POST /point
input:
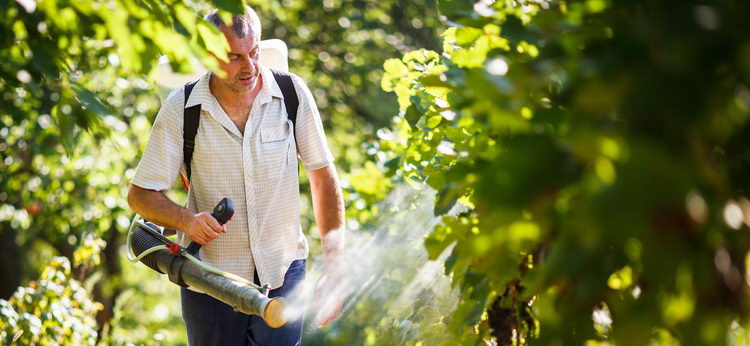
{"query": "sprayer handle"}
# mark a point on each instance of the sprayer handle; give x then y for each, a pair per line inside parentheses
(223, 212)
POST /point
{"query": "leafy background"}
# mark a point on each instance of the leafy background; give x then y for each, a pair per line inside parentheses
(585, 160)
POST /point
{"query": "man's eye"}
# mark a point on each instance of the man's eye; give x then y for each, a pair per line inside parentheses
(233, 57)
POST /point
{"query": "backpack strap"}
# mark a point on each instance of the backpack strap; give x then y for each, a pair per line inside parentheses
(191, 117)
(291, 102)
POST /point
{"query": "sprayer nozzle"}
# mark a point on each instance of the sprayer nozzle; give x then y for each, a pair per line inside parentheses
(274, 314)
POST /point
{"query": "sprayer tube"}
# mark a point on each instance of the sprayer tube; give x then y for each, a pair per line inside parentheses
(239, 296)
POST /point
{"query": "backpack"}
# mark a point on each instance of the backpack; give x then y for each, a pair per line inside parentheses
(192, 117)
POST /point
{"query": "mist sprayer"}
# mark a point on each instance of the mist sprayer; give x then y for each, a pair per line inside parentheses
(184, 267)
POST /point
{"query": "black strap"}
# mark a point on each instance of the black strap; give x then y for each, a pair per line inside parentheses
(284, 80)
(192, 117)
(291, 102)
(192, 114)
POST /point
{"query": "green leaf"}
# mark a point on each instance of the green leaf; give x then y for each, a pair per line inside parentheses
(436, 180)
(456, 134)
(213, 39)
(395, 71)
(90, 101)
(446, 199)
(450, 262)
(66, 126)
(433, 80)
(433, 121)
(455, 9)
(412, 116)
(466, 36)
(395, 67)
(186, 20)
(475, 314)
(437, 241)
(234, 6)
(393, 164)
(434, 246)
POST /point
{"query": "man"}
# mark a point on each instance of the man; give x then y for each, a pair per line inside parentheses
(245, 149)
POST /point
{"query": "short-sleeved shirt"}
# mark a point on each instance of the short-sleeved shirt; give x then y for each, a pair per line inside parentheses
(257, 170)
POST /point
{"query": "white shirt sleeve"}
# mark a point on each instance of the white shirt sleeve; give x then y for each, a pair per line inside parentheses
(312, 146)
(162, 160)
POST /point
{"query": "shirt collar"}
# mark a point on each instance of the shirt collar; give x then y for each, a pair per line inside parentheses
(270, 87)
(201, 95)
(200, 91)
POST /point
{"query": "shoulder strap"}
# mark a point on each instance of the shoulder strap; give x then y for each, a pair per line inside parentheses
(190, 128)
(284, 80)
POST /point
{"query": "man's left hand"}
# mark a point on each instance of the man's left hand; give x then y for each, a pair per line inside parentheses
(330, 291)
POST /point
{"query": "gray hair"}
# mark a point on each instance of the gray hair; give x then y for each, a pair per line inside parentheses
(241, 23)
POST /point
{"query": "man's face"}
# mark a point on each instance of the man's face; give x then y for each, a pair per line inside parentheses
(242, 69)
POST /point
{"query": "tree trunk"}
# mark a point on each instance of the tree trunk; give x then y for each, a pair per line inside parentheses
(10, 263)
(112, 268)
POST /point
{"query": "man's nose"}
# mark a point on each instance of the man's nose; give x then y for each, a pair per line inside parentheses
(247, 62)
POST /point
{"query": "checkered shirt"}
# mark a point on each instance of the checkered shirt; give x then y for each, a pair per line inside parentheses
(257, 170)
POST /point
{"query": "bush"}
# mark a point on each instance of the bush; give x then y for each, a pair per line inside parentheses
(54, 310)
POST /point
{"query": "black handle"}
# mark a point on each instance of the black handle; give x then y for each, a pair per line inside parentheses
(223, 213)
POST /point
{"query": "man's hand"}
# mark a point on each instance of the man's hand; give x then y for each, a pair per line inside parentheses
(202, 228)
(330, 291)
(154, 206)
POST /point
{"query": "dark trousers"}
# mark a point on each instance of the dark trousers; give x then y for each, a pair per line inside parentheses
(212, 322)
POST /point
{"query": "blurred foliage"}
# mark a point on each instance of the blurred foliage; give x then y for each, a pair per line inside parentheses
(53, 51)
(338, 46)
(147, 312)
(600, 146)
(55, 305)
(603, 147)
(73, 205)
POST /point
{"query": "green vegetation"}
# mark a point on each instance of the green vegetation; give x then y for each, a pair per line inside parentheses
(602, 145)
(598, 150)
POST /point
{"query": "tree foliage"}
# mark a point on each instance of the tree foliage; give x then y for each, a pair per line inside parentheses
(56, 51)
(603, 147)
(337, 46)
(600, 146)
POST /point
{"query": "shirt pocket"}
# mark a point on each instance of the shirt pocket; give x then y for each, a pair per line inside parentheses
(275, 133)
(277, 143)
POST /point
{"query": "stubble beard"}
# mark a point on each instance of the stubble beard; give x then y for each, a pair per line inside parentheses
(236, 86)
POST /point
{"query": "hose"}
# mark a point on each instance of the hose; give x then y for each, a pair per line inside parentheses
(153, 245)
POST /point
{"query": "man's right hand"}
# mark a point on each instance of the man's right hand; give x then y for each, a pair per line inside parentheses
(203, 228)
(154, 206)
